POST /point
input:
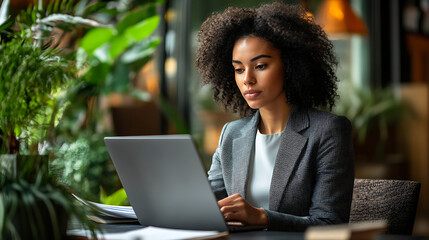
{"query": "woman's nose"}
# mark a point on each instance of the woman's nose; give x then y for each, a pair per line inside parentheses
(249, 78)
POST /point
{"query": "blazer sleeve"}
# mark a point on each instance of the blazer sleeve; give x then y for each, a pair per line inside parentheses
(215, 174)
(334, 178)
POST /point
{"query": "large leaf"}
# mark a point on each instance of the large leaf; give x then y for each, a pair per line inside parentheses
(97, 73)
(136, 16)
(96, 38)
(132, 35)
(119, 44)
(7, 24)
(102, 53)
(4, 11)
(119, 81)
(142, 29)
(140, 50)
(117, 198)
(57, 19)
(94, 8)
(80, 7)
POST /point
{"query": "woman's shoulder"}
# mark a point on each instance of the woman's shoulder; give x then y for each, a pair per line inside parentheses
(322, 114)
(236, 129)
(317, 117)
(240, 125)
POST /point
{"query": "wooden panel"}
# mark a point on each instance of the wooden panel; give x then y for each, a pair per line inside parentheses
(414, 137)
(418, 47)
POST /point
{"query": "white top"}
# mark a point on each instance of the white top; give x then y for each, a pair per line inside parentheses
(261, 169)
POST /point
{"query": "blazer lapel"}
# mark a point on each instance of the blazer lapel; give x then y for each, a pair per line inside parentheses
(243, 148)
(291, 146)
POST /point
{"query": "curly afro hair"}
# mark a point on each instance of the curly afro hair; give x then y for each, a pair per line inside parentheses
(308, 59)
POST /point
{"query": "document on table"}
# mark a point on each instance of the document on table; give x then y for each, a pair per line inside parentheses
(149, 233)
(120, 212)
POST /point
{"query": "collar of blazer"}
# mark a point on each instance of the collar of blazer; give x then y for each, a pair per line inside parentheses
(292, 143)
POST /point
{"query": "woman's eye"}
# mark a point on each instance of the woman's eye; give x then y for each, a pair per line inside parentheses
(239, 70)
(261, 66)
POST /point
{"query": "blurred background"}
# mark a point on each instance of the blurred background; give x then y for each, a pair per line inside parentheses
(383, 52)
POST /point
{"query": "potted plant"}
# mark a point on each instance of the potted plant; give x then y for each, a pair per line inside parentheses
(36, 207)
(36, 78)
(374, 114)
(32, 206)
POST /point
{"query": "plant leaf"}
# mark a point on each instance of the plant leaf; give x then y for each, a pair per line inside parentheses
(119, 81)
(96, 38)
(119, 44)
(140, 50)
(4, 11)
(94, 8)
(9, 22)
(132, 35)
(116, 198)
(80, 7)
(136, 16)
(54, 19)
(142, 29)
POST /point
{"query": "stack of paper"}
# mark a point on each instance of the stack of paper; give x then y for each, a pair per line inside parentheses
(103, 213)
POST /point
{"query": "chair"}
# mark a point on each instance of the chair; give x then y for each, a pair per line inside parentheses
(391, 200)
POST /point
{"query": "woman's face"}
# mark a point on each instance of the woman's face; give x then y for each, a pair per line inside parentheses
(259, 73)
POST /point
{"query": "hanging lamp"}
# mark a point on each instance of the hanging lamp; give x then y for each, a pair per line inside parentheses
(338, 19)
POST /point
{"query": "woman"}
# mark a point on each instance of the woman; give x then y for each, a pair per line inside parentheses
(284, 165)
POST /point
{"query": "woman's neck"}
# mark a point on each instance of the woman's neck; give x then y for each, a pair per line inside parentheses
(274, 121)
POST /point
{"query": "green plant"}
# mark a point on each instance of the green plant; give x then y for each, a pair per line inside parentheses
(35, 75)
(117, 198)
(32, 78)
(370, 110)
(38, 209)
(110, 56)
(84, 166)
(36, 79)
(105, 63)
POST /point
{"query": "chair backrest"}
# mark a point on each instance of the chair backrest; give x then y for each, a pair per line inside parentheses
(392, 200)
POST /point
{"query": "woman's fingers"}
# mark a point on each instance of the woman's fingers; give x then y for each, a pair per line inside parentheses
(229, 200)
(236, 207)
(232, 207)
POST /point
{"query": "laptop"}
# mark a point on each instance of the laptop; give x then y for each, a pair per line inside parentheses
(166, 183)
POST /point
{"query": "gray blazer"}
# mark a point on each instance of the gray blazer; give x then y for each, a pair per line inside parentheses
(312, 182)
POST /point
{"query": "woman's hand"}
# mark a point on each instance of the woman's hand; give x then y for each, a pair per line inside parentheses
(236, 208)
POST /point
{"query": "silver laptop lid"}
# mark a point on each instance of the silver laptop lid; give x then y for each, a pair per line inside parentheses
(165, 181)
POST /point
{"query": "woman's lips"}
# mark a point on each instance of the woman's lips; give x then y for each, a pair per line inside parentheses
(251, 94)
